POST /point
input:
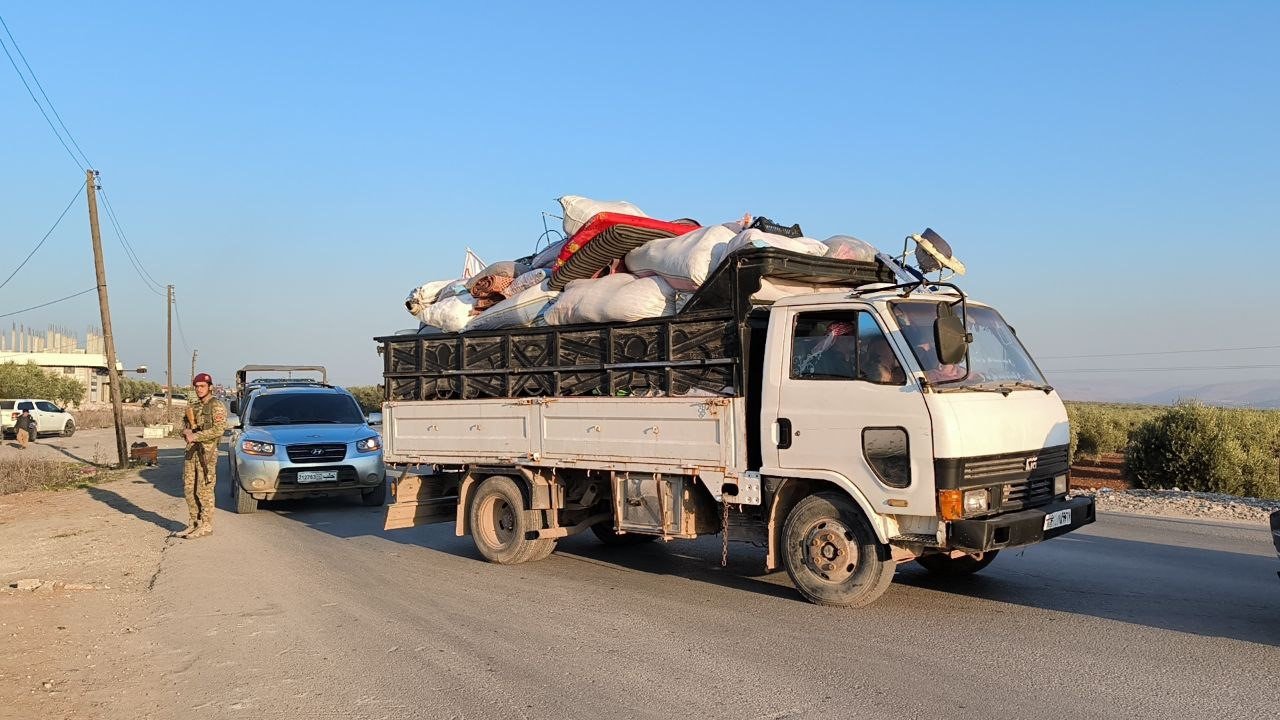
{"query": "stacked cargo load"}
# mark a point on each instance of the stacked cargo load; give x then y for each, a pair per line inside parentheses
(624, 305)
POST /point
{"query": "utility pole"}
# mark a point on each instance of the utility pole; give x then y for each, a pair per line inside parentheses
(194, 353)
(113, 375)
(168, 383)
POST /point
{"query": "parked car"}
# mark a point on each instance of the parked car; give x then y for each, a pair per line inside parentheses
(157, 400)
(50, 419)
(303, 441)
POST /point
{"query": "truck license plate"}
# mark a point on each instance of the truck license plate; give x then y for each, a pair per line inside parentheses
(310, 476)
(1057, 519)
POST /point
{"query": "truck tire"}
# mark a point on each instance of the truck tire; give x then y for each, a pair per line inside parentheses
(606, 534)
(501, 525)
(376, 497)
(832, 554)
(943, 565)
(69, 429)
(245, 503)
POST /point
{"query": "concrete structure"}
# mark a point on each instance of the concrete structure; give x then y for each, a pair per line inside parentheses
(59, 352)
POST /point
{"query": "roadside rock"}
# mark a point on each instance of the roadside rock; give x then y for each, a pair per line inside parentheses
(1183, 503)
(26, 584)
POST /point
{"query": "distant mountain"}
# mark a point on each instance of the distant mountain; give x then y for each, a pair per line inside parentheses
(1242, 393)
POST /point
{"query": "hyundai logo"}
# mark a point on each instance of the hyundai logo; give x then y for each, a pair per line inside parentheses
(318, 451)
(1031, 463)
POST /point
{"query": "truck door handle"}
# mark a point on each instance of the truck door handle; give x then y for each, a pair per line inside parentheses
(784, 433)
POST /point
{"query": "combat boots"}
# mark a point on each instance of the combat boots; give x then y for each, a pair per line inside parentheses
(199, 532)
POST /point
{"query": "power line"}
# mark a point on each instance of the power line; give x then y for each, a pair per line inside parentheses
(43, 94)
(46, 236)
(30, 92)
(178, 316)
(1159, 352)
(1162, 369)
(51, 302)
(148, 281)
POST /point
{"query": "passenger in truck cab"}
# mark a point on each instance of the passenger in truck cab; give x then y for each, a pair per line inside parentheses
(919, 332)
(834, 355)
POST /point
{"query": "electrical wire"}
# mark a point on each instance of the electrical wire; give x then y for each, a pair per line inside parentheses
(177, 315)
(30, 92)
(43, 94)
(1160, 352)
(130, 253)
(46, 236)
(51, 302)
(1162, 369)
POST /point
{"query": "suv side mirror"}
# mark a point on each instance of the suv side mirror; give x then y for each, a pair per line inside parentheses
(950, 336)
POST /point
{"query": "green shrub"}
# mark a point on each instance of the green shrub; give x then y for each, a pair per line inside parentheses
(1098, 428)
(369, 397)
(32, 381)
(1194, 447)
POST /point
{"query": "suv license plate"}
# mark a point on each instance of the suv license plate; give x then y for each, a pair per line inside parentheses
(1057, 519)
(310, 476)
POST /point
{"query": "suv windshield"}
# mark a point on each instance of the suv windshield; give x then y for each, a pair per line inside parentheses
(304, 408)
(996, 359)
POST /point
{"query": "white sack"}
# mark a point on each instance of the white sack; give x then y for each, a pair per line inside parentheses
(760, 238)
(683, 261)
(526, 281)
(519, 310)
(772, 290)
(612, 298)
(578, 210)
(848, 247)
(450, 314)
(423, 296)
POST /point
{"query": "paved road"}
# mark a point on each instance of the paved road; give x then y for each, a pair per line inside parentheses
(309, 609)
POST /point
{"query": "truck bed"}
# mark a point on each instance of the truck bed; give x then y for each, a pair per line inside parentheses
(665, 434)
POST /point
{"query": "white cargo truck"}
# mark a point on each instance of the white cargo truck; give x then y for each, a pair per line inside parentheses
(852, 425)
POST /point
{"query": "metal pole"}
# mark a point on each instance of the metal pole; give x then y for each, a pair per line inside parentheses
(113, 376)
(194, 353)
(168, 383)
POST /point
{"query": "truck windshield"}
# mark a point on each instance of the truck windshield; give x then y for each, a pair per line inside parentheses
(997, 360)
(304, 408)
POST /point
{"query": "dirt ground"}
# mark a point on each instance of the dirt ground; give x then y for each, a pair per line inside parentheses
(74, 570)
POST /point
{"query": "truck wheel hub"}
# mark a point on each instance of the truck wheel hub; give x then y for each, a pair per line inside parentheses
(830, 551)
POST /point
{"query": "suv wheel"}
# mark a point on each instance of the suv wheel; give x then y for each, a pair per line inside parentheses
(69, 429)
(245, 503)
(376, 497)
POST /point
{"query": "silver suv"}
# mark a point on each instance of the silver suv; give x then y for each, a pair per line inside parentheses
(304, 441)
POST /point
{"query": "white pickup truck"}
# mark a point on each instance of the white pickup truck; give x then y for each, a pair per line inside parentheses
(854, 426)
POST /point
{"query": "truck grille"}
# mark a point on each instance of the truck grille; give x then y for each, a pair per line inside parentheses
(1028, 493)
(318, 453)
(1051, 461)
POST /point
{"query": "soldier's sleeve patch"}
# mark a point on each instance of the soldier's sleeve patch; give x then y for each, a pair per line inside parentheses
(219, 414)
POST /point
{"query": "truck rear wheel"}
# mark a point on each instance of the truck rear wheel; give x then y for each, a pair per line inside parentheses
(831, 552)
(501, 526)
(943, 565)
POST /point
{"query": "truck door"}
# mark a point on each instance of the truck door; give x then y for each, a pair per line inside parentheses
(846, 408)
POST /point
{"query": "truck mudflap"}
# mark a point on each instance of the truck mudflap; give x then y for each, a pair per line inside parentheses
(422, 500)
(1023, 527)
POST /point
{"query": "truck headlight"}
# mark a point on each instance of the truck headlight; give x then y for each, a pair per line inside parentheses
(1060, 485)
(253, 447)
(976, 501)
(369, 444)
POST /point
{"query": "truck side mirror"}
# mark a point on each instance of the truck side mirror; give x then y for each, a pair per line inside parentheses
(235, 407)
(950, 337)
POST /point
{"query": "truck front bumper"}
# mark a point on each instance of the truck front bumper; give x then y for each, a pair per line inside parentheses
(1023, 527)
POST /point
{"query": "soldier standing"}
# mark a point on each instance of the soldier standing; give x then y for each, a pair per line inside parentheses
(203, 426)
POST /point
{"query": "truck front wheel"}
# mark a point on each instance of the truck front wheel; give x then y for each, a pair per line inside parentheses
(831, 552)
(944, 565)
(501, 527)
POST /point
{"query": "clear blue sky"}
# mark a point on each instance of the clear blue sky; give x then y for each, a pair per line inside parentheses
(1108, 171)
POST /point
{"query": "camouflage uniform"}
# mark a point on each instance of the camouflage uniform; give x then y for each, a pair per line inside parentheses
(200, 470)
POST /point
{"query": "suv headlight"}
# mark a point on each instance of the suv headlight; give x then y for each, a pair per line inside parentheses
(369, 444)
(258, 448)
